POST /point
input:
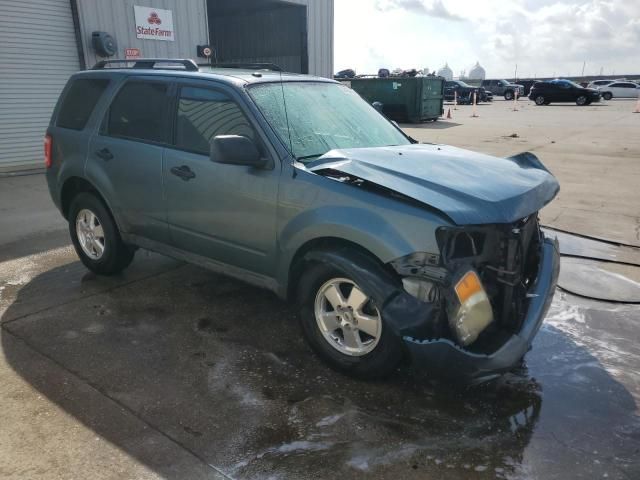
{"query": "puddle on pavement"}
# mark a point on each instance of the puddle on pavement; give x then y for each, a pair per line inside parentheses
(221, 368)
(600, 280)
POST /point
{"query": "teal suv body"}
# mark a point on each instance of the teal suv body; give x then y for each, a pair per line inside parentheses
(395, 251)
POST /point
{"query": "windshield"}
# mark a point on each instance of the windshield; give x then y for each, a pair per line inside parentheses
(463, 84)
(322, 116)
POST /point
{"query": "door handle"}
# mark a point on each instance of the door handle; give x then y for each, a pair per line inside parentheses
(184, 172)
(105, 154)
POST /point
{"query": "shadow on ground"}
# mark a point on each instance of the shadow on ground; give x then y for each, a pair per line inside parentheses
(220, 369)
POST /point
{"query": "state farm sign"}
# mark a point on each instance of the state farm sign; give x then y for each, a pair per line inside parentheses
(153, 23)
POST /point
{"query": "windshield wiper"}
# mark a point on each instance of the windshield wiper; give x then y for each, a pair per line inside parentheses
(307, 157)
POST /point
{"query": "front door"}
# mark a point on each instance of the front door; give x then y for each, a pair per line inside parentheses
(223, 212)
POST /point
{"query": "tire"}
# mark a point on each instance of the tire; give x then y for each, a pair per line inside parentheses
(381, 353)
(607, 95)
(540, 100)
(91, 225)
(582, 100)
(508, 95)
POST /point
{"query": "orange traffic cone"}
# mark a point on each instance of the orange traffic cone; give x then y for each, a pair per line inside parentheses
(449, 114)
(637, 110)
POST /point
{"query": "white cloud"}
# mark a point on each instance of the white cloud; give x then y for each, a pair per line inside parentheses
(543, 37)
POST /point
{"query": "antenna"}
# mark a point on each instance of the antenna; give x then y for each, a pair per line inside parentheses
(286, 115)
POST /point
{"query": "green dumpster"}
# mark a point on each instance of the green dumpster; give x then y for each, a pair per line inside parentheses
(404, 99)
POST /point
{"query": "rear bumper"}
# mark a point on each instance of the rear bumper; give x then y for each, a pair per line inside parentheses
(444, 358)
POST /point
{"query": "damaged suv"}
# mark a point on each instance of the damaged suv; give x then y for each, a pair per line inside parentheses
(394, 250)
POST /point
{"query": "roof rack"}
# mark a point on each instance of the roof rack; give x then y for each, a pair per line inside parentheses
(245, 66)
(188, 64)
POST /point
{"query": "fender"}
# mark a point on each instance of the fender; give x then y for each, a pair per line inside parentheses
(353, 224)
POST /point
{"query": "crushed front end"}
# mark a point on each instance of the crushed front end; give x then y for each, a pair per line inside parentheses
(489, 290)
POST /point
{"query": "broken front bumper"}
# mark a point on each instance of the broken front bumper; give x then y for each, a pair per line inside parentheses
(444, 358)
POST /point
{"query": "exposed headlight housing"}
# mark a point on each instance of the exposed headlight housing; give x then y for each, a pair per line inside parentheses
(473, 312)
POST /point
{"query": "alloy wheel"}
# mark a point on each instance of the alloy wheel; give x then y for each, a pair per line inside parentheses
(90, 234)
(347, 317)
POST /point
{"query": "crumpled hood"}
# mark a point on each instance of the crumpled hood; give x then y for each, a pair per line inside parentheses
(468, 187)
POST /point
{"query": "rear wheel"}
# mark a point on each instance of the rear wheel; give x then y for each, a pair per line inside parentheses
(607, 95)
(540, 100)
(95, 236)
(582, 100)
(508, 95)
(343, 325)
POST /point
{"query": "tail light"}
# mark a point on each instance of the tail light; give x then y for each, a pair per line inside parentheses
(48, 143)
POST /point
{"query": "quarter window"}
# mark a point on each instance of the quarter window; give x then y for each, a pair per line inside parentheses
(79, 102)
(139, 112)
(203, 114)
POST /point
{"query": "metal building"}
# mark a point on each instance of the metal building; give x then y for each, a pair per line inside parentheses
(42, 42)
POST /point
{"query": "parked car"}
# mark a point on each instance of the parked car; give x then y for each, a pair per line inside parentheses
(544, 93)
(462, 91)
(503, 88)
(599, 83)
(348, 73)
(293, 183)
(620, 90)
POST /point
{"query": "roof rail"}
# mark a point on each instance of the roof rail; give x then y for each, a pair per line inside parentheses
(246, 66)
(188, 64)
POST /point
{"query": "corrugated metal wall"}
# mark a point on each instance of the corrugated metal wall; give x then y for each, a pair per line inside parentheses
(320, 34)
(116, 18)
(253, 31)
(38, 52)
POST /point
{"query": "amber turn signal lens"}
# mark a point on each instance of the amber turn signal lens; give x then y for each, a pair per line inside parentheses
(468, 285)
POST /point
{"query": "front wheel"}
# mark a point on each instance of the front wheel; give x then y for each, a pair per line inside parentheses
(344, 326)
(582, 100)
(607, 95)
(95, 236)
(540, 100)
(508, 95)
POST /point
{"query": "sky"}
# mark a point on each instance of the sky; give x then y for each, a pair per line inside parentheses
(542, 37)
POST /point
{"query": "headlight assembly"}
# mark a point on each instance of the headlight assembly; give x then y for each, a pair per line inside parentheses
(472, 312)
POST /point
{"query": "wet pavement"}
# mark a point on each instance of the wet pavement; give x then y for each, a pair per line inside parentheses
(220, 382)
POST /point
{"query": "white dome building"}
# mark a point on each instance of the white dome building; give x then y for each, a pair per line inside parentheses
(446, 72)
(477, 72)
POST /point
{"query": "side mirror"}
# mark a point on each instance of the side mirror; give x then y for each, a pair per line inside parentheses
(378, 106)
(235, 150)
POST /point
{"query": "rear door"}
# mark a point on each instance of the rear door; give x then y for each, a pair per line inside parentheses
(125, 155)
(224, 212)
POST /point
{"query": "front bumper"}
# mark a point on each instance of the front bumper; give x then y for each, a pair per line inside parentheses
(444, 358)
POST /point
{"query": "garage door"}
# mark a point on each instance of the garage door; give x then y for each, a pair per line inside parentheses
(38, 52)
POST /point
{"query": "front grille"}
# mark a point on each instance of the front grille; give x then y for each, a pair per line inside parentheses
(509, 275)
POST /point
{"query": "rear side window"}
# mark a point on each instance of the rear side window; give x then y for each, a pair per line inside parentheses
(204, 114)
(79, 102)
(139, 112)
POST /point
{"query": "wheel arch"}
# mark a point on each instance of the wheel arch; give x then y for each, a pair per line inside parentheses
(75, 185)
(299, 261)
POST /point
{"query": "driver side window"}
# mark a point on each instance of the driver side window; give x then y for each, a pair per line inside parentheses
(205, 113)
